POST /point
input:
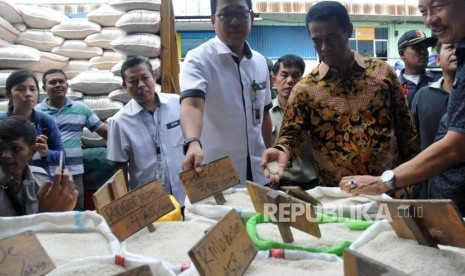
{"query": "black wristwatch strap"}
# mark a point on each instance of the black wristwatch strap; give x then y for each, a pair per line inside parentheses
(185, 147)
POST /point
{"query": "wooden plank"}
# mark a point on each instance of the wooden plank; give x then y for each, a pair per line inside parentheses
(22, 254)
(297, 212)
(137, 271)
(356, 264)
(219, 198)
(111, 190)
(416, 226)
(215, 177)
(169, 50)
(225, 250)
(138, 208)
(441, 218)
(300, 193)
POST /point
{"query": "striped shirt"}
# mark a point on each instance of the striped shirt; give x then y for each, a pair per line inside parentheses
(71, 120)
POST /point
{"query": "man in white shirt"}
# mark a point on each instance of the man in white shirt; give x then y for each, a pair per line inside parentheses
(226, 96)
(146, 134)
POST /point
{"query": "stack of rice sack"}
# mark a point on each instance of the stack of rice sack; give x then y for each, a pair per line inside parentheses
(89, 50)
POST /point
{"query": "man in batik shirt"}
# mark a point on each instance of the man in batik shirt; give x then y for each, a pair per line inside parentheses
(353, 107)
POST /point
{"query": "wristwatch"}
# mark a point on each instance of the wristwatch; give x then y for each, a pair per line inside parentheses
(388, 179)
(185, 146)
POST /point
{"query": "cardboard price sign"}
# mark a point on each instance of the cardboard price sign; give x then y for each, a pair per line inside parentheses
(23, 254)
(225, 250)
(136, 209)
(215, 177)
(138, 271)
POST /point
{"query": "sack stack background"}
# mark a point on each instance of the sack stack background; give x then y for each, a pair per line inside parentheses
(89, 50)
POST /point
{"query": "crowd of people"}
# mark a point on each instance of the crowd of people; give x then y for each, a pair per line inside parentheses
(352, 122)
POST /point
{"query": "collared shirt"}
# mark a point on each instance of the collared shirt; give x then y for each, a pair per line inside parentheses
(130, 139)
(410, 88)
(214, 73)
(24, 192)
(303, 166)
(450, 183)
(71, 120)
(359, 122)
(428, 107)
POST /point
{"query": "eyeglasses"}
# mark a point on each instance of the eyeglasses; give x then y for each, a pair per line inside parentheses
(228, 16)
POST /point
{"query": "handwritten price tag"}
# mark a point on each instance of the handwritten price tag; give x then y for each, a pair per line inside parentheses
(23, 255)
(215, 177)
(138, 208)
(225, 250)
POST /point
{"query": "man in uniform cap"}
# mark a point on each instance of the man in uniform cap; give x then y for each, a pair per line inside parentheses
(413, 49)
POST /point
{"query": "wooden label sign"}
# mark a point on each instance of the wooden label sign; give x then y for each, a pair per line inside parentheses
(225, 250)
(429, 222)
(138, 271)
(136, 209)
(300, 193)
(22, 254)
(215, 177)
(297, 213)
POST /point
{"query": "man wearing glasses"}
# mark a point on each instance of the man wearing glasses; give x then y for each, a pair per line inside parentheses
(226, 95)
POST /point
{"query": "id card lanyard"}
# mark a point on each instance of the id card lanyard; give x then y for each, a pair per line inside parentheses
(256, 112)
(160, 171)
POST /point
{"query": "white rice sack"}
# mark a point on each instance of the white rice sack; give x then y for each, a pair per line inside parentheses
(155, 62)
(76, 66)
(95, 82)
(41, 17)
(104, 37)
(4, 43)
(382, 244)
(77, 49)
(49, 61)
(106, 16)
(20, 27)
(143, 44)
(236, 198)
(280, 267)
(101, 265)
(65, 235)
(170, 242)
(18, 56)
(120, 95)
(102, 106)
(7, 31)
(4, 74)
(107, 60)
(74, 95)
(76, 28)
(40, 39)
(92, 139)
(10, 12)
(140, 21)
(337, 202)
(127, 5)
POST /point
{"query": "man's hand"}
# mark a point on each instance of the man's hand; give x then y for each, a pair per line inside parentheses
(58, 196)
(362, 184)
(194, 158)
(271, 155)
(41, 142)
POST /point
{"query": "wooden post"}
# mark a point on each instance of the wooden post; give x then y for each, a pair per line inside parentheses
(169, 50)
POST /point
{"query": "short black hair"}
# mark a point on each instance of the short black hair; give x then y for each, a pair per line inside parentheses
(18, 77)
(134, 61)
(52, 71)
(327, 10)
(16, 127)
(288, 61)
(214, 4)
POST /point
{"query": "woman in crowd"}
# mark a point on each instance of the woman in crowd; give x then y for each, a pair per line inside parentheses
(22, 90)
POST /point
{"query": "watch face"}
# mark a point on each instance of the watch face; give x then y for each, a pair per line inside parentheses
(387, 176)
